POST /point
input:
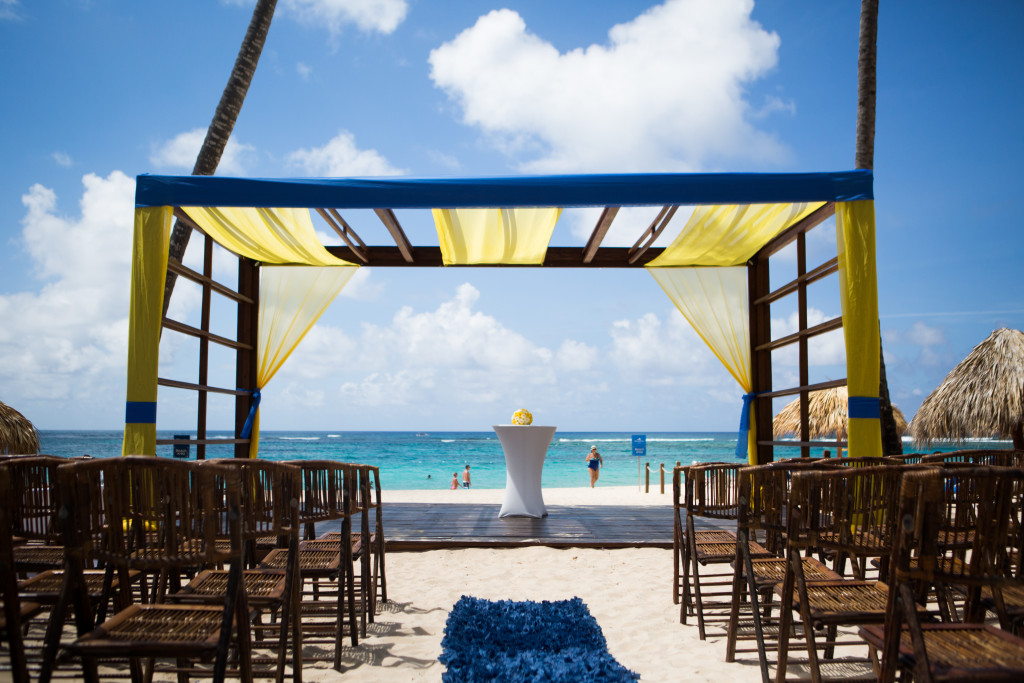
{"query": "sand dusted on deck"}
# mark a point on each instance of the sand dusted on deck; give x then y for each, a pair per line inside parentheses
(628, 591)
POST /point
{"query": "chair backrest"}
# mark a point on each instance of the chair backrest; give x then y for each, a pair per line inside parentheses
(961, 525)
(328, 490)
(712, 491)
(850, 510)
(270, 495)
(33, 501)
(1001, 457)
(150, 513)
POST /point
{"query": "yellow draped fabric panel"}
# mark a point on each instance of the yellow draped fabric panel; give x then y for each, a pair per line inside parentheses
(264, 235)
(292, 299)
(858, 287)
(149, 273)
(714, 301)
(728, 235)
(509, 236)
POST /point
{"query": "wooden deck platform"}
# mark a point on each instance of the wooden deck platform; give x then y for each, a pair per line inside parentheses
(415, 526)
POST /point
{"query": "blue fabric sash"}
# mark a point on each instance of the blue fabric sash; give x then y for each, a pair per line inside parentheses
(247, 428)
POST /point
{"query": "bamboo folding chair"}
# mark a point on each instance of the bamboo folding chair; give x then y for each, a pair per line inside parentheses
(368, 545)
(366, 498)
(154, 515)
(763, 508)
(270, 510)
(932, 519)
(711, 493)
(16, 611)
(33, 507)
(327, 494)
(847, 512)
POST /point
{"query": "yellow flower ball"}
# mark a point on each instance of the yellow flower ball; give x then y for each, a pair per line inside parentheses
(522, 417)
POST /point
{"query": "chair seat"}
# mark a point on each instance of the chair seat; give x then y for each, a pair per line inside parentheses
(714, 550)
(312, 560)
(977, 651)
(845, 601)
(156, 629)
(263, 587)
(46, 586)
(769, 571)
(30, 557)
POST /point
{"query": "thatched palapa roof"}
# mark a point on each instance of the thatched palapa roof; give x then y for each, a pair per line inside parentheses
(17, 435)
(983, 396)
(826, 415)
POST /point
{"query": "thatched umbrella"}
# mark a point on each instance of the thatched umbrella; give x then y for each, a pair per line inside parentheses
(826, 413)
(17, 435)
(983, 396)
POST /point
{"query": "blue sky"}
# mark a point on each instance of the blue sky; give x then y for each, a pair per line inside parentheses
(98, 91)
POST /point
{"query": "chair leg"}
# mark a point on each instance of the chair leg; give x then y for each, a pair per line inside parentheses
(785, 625)
(805, 616)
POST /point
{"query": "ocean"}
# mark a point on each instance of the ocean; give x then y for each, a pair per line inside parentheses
(426, 460)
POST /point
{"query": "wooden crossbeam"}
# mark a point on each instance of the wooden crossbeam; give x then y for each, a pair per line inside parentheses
(600, 230)
(345, 232)
(652, 232)
(555, 257)
(390, 221)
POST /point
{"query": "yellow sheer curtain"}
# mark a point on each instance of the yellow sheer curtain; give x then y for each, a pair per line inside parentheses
(858, 287)
(149, 273)
(729, 234)
(510, 236)
(264, 235)
(292, 298)
(714, 301)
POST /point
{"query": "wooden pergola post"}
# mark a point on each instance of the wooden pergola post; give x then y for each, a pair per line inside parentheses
(245, 358)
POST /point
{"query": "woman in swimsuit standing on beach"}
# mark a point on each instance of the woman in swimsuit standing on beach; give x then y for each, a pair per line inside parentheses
(594, 462)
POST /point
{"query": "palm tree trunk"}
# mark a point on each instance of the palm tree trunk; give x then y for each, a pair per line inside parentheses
(892, 442)
(224, 120)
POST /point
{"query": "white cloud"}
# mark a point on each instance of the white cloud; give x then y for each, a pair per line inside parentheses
(654, 353)
(665, 93)
(180, 152)
(382, 16)
(63, 159)
(9, 9)
(70, 339)
(304, 70)
(925, 335)
(341, 157)
(574, 356)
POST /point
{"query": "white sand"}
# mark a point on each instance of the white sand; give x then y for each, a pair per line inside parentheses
(628, 591)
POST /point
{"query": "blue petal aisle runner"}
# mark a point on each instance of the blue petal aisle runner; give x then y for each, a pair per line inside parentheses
(526, 641)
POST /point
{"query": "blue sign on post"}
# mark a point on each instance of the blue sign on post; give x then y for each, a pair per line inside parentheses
(181, 450)
(639, 445)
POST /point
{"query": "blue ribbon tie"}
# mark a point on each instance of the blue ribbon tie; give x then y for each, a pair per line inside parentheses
(140, 412)
(247, 428)
(742, 437)
(865, 407)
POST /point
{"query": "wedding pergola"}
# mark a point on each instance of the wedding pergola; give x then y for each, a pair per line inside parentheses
(715, 270)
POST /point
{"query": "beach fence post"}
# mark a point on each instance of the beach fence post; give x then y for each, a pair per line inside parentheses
(661, 471)
(647, 477)
(639, 451)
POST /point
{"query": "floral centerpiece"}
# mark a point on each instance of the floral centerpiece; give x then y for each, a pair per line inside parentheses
(522, 417)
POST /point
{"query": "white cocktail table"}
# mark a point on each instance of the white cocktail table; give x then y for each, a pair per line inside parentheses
(525, 447)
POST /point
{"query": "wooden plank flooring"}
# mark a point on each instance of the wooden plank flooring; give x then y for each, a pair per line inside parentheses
(415, 526)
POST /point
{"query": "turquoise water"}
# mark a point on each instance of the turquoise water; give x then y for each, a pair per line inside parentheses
(419, 460)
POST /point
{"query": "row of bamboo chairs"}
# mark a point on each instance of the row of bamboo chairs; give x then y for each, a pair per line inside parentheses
(915, 552)
(200, 563)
